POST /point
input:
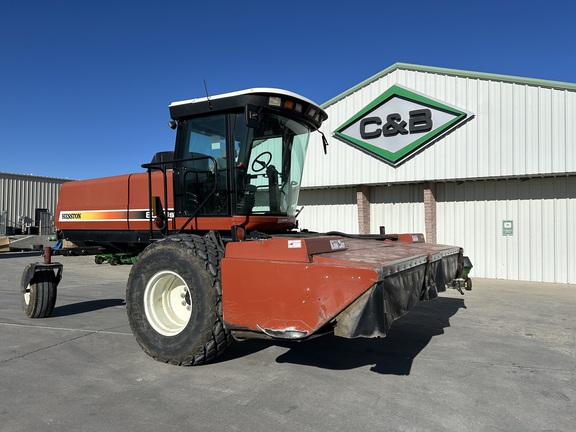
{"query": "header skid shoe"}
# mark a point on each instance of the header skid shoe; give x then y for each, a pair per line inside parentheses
(291, 288)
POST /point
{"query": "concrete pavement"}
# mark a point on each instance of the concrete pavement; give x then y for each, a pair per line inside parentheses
(500, 358)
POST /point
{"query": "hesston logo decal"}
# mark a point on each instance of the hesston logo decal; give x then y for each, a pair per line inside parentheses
(107, 215)
(399, 123)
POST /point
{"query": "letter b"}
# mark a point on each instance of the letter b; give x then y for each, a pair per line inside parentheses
(420, 121)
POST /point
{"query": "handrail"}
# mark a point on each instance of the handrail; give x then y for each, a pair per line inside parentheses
(161, 166)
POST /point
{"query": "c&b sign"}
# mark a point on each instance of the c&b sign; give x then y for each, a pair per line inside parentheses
(398, 124)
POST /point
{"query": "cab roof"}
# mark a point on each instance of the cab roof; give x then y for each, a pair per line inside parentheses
(289, 103)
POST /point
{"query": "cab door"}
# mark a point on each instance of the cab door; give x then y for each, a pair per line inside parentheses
(202, 173)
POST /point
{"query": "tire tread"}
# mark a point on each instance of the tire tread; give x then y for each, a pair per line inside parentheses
(216, 339)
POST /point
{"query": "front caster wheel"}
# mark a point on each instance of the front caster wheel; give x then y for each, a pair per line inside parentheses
(38, 293)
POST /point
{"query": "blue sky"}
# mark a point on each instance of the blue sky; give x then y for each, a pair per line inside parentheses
(85, 85)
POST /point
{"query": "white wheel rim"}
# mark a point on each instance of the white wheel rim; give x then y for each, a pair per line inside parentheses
(167, 303)
(27, 295)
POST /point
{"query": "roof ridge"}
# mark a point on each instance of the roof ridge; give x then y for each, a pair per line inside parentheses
(453, 72)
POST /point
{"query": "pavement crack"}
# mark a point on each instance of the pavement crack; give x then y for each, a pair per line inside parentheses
(47, 347)
(87, 332)
(108, 330)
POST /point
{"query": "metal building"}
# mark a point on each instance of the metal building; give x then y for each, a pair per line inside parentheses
(27, 202)
(484, 161)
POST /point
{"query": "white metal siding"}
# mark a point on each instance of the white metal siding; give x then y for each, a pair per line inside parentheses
(21, 195)
(329, 210)
(518, 130)
(397, 208)
(543, 210)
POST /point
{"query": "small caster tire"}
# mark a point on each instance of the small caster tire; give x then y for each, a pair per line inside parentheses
(38, 295)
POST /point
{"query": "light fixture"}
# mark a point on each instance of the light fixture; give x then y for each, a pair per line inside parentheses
(274, 101)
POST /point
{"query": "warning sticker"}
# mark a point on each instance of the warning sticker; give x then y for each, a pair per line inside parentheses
(337, 244)
(294, 244)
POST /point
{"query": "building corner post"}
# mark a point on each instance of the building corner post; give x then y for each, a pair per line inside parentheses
(363, 204)
(430, 211)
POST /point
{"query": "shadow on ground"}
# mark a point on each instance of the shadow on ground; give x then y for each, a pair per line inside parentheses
(87, 306)
(392, 355)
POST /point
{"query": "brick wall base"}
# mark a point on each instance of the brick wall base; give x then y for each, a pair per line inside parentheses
(363, 204)
(430, 211)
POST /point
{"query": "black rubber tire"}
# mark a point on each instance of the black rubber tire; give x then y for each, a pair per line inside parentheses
(468, 284)
(114, 261)
(38, 296)
(196, 260)
(98, 259)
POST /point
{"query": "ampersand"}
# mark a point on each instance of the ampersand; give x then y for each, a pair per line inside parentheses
(394, 125)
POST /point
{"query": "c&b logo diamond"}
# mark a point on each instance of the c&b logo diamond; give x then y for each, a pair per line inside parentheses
(398, 124)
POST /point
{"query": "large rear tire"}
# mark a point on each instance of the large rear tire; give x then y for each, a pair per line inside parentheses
(173, 300)
(38, 295)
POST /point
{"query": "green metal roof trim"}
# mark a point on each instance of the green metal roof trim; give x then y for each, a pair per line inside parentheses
(453, 72)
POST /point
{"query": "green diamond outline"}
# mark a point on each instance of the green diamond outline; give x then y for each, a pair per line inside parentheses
(401, 155)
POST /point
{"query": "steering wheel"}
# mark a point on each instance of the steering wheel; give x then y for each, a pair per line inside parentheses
(261, 161)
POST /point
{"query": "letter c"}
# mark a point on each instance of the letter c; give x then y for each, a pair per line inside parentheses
(370, 134)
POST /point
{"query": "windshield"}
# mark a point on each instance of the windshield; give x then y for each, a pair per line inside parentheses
(269, 164)
(259, 172)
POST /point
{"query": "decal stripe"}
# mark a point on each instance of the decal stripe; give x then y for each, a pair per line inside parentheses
(104, 215)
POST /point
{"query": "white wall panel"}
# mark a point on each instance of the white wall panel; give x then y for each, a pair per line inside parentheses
(329, 210)
(397, 208)
(543, 245)
(514, 160)
(520, 129)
